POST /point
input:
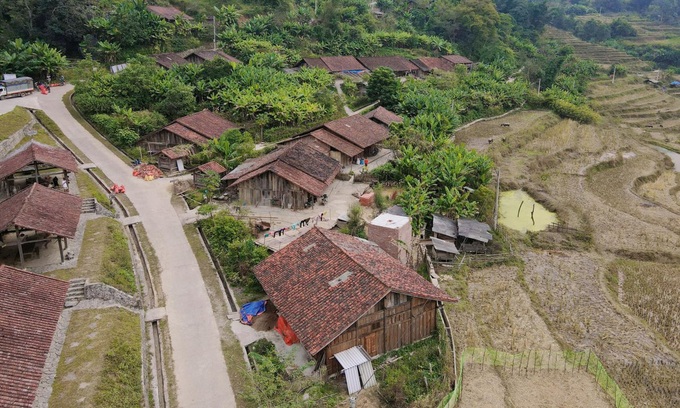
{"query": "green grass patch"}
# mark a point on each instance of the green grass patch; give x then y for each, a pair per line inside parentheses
(100, 364)
(421, 376)
(104, 257)
(90, 189)
(12, 122)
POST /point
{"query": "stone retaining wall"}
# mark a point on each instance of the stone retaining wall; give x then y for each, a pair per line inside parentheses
(11, 142)
(106, 292)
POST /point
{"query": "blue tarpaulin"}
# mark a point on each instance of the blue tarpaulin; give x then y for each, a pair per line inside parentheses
(252, 309)
(675, 84)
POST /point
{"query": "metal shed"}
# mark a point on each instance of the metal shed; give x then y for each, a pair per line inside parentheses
(443, 250)
(357, 367)
(474, 230)
(443, 227)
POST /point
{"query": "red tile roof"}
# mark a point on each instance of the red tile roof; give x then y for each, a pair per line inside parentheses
(37, 152)
(42, 209)
(209, 55)
(186, 133)
(383, 116)
(298, 280)
(427, 64)
(168, 13)
(167, 60)
(212, 166)
(207, 124)
(398, 64)
(457, 59)
(359, 130)
(298, 163)
(30, 306)
(315, 63)
(178, 152)
(336, 142)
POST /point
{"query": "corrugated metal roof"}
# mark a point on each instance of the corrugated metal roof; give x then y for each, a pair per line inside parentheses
(473, 229)
(352, 357)
(444, 226)
(444, 246)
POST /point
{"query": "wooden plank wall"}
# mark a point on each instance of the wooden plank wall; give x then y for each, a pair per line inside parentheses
(261, 189)
(157, 141)
(384, 329)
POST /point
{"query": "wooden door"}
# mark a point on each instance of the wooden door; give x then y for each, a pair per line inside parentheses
(370, 343)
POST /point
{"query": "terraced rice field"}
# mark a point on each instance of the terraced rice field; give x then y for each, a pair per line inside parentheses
(595, 52)
(647, 109)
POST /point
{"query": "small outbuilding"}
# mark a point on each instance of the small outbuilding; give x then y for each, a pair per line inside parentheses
(392, 233)
(458, 60)
(172, 158)
(443, 251)
(196, 129)
(427, 65)
(201, 56)
(206, 170)
(444, 228)
(338, 292)
(473, 235)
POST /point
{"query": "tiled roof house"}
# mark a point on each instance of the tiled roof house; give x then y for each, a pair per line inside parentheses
(347, 138)
(400, 65)
(199, 57)
(288, 177)
(347, 64)
(197, 128)
(30, 306)
(169, 14)
(383, 116)
(337, 291)
(38, 155)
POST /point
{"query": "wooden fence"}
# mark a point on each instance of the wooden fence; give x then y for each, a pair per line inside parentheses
(565, 362)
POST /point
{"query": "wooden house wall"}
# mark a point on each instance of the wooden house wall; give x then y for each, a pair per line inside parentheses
(260, 190)
(157, 141)
(166, 163)
(385, 328)
(195, 59)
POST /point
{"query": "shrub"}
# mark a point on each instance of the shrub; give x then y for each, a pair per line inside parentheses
(125, 138)
(583, 114)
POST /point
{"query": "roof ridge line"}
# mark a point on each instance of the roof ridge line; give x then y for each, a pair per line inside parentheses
(24, 271)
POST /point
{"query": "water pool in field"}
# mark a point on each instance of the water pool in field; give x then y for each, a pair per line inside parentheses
(673, 155)
(520, 202)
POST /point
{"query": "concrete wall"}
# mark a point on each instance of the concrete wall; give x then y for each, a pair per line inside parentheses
(394, 241)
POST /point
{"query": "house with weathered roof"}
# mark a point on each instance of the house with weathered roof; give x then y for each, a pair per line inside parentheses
(171, 159)
(399, 65)
(34, 161)
(169, 14)
(46, 213)
(197, 129)
(291, 177)
(383, 116)
(338, 291)
(347, 139)
(201, 56)
(458, 60)
(168, 60)
(206, 170)
(31, 306)
(427, 65)
(334, 65)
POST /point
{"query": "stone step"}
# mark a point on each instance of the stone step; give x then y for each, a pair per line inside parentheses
(89, 205)
(75, 292)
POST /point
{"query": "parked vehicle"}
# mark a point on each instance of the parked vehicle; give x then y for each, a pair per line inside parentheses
(16, 87)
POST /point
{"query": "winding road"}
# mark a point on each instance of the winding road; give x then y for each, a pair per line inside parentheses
(198, 363)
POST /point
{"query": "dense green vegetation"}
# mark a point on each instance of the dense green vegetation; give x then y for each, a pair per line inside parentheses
(231, 241)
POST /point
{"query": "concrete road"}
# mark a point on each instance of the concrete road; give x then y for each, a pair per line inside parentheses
(199, 366)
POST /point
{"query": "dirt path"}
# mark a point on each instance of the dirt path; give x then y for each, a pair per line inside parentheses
(199, 367)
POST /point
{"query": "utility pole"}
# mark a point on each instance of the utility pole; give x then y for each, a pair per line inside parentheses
(498, 196)
(614, 74)
(214, 33)
(539, 85)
